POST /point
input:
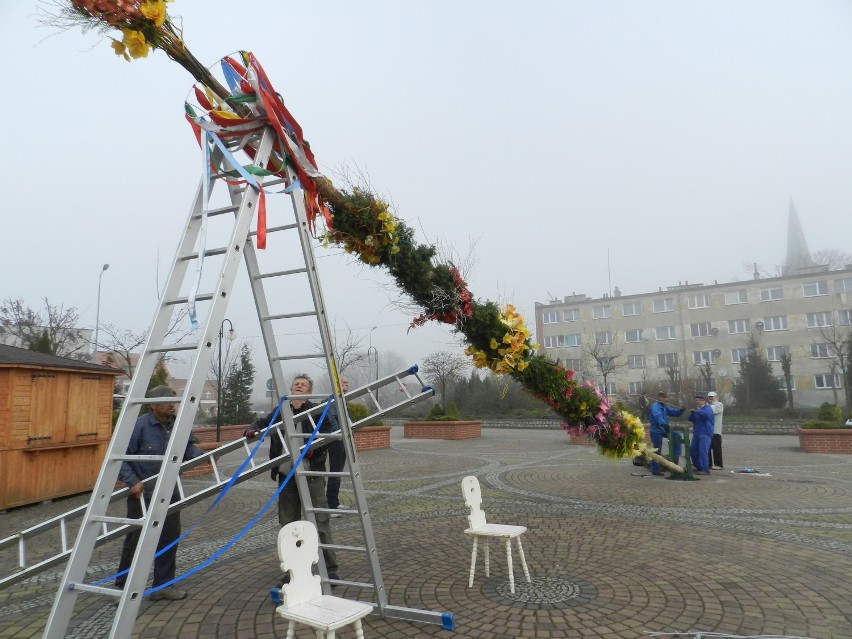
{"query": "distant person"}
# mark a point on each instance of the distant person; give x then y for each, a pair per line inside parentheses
(150, 437)
(702, 434)
(716, 444)
(289, 503)
(643, 407)
(658, 416)
(336, 463)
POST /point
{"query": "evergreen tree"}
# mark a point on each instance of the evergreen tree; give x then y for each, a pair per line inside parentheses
(42, 344)
(237, 389)
(757, 387)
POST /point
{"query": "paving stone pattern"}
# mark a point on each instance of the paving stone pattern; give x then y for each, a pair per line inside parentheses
(611, 554)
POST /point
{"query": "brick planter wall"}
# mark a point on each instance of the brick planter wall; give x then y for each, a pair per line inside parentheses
(442, 430)
(819, 440)
(372, 438)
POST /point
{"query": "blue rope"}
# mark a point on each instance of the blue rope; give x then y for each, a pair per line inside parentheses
(222, 493)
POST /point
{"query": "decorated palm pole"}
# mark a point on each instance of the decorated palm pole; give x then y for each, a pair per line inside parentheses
(361, 223)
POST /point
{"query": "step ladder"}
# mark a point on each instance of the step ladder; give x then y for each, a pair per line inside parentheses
(256, 149)
(47, 544)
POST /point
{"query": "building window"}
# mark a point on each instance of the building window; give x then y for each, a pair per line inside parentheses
(827, 381)
(701, 300)
(782, 382)
(815, 320)
(775, 353)
(665, 332)
(667, 359)
(740, 296)
(554, 341)
(844, 317)
(633, 335)
(771, 294)
(699, 358)
(775, 323)
(739, 326)
(664, 306)
(610, 388)
(738, 354)
(550, 317)
(573, 364)
(702, 329)
(843, 286)
(574, 339)
(635, 388)
(631, 308)
(814, 289)
(603, 337)
(820, 351)
(635, 361)
(571, 315)
(601, 312)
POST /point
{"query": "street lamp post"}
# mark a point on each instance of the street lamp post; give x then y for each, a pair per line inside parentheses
(375, 353)
(98, 314)
(231, 335)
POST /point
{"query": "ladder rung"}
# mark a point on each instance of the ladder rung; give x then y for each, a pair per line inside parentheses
(275, 229)
(292, 271)
(208, 253)
(115, 592)
(219, 211)
(324, 473)
(284, 358)
(121, 521)
(291, 315)
(203, 297)
(173, 347)
(345, 548)
(275, 182)
(354, 584)
(138, 457)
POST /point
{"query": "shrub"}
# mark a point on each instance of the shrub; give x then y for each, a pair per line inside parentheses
(817, 424)
(357, 412)
(829, 413)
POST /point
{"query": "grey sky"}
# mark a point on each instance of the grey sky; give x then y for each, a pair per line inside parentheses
(670, 134)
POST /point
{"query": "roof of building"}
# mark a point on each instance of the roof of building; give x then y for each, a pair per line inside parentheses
(13, 356)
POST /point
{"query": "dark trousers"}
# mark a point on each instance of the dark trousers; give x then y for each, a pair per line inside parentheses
(290, 509)
(657, 443)
(336, 462)
(164, 565)
(716, 451)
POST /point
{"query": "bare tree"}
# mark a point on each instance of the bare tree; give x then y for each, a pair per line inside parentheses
(787, 369)
(605, 350)
(835, 259)
(52, 331)
(442, 369)
(347, 346)
(837, 341)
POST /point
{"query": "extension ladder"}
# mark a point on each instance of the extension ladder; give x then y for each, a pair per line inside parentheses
(182, 290)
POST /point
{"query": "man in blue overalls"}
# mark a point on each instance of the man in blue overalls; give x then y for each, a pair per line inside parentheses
(658, 416)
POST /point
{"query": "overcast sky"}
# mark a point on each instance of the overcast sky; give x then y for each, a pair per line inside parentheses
(577, 146)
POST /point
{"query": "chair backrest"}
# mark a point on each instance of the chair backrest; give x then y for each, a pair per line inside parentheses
(473, 500)
(298, 551)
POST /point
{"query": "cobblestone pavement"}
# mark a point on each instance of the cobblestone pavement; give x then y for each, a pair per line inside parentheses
(611, 554)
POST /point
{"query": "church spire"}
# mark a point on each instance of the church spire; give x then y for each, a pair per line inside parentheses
(798, 255)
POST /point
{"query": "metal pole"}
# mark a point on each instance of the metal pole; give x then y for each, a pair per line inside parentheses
(98, 315)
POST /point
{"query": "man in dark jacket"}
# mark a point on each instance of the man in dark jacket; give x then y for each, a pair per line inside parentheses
(150, 437)
(289, 503)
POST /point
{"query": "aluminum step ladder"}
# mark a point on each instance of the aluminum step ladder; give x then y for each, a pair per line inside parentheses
(53, 537)
(182, 290)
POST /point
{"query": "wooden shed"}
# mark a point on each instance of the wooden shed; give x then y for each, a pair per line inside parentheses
(55, 425)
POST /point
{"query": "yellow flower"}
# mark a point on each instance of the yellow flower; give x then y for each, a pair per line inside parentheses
(135, 43)
(120, 49)
(493, 344)
(155, 11)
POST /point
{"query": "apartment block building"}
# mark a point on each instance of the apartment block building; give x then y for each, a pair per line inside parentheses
(685, 327)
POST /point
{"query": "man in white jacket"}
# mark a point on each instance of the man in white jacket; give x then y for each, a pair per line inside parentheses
(716, 444)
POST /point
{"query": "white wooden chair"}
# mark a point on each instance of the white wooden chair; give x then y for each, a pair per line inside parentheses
(302, 598)
(479, 528)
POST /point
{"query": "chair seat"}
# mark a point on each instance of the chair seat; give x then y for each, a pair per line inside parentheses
(326, 612)
(497, 530)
